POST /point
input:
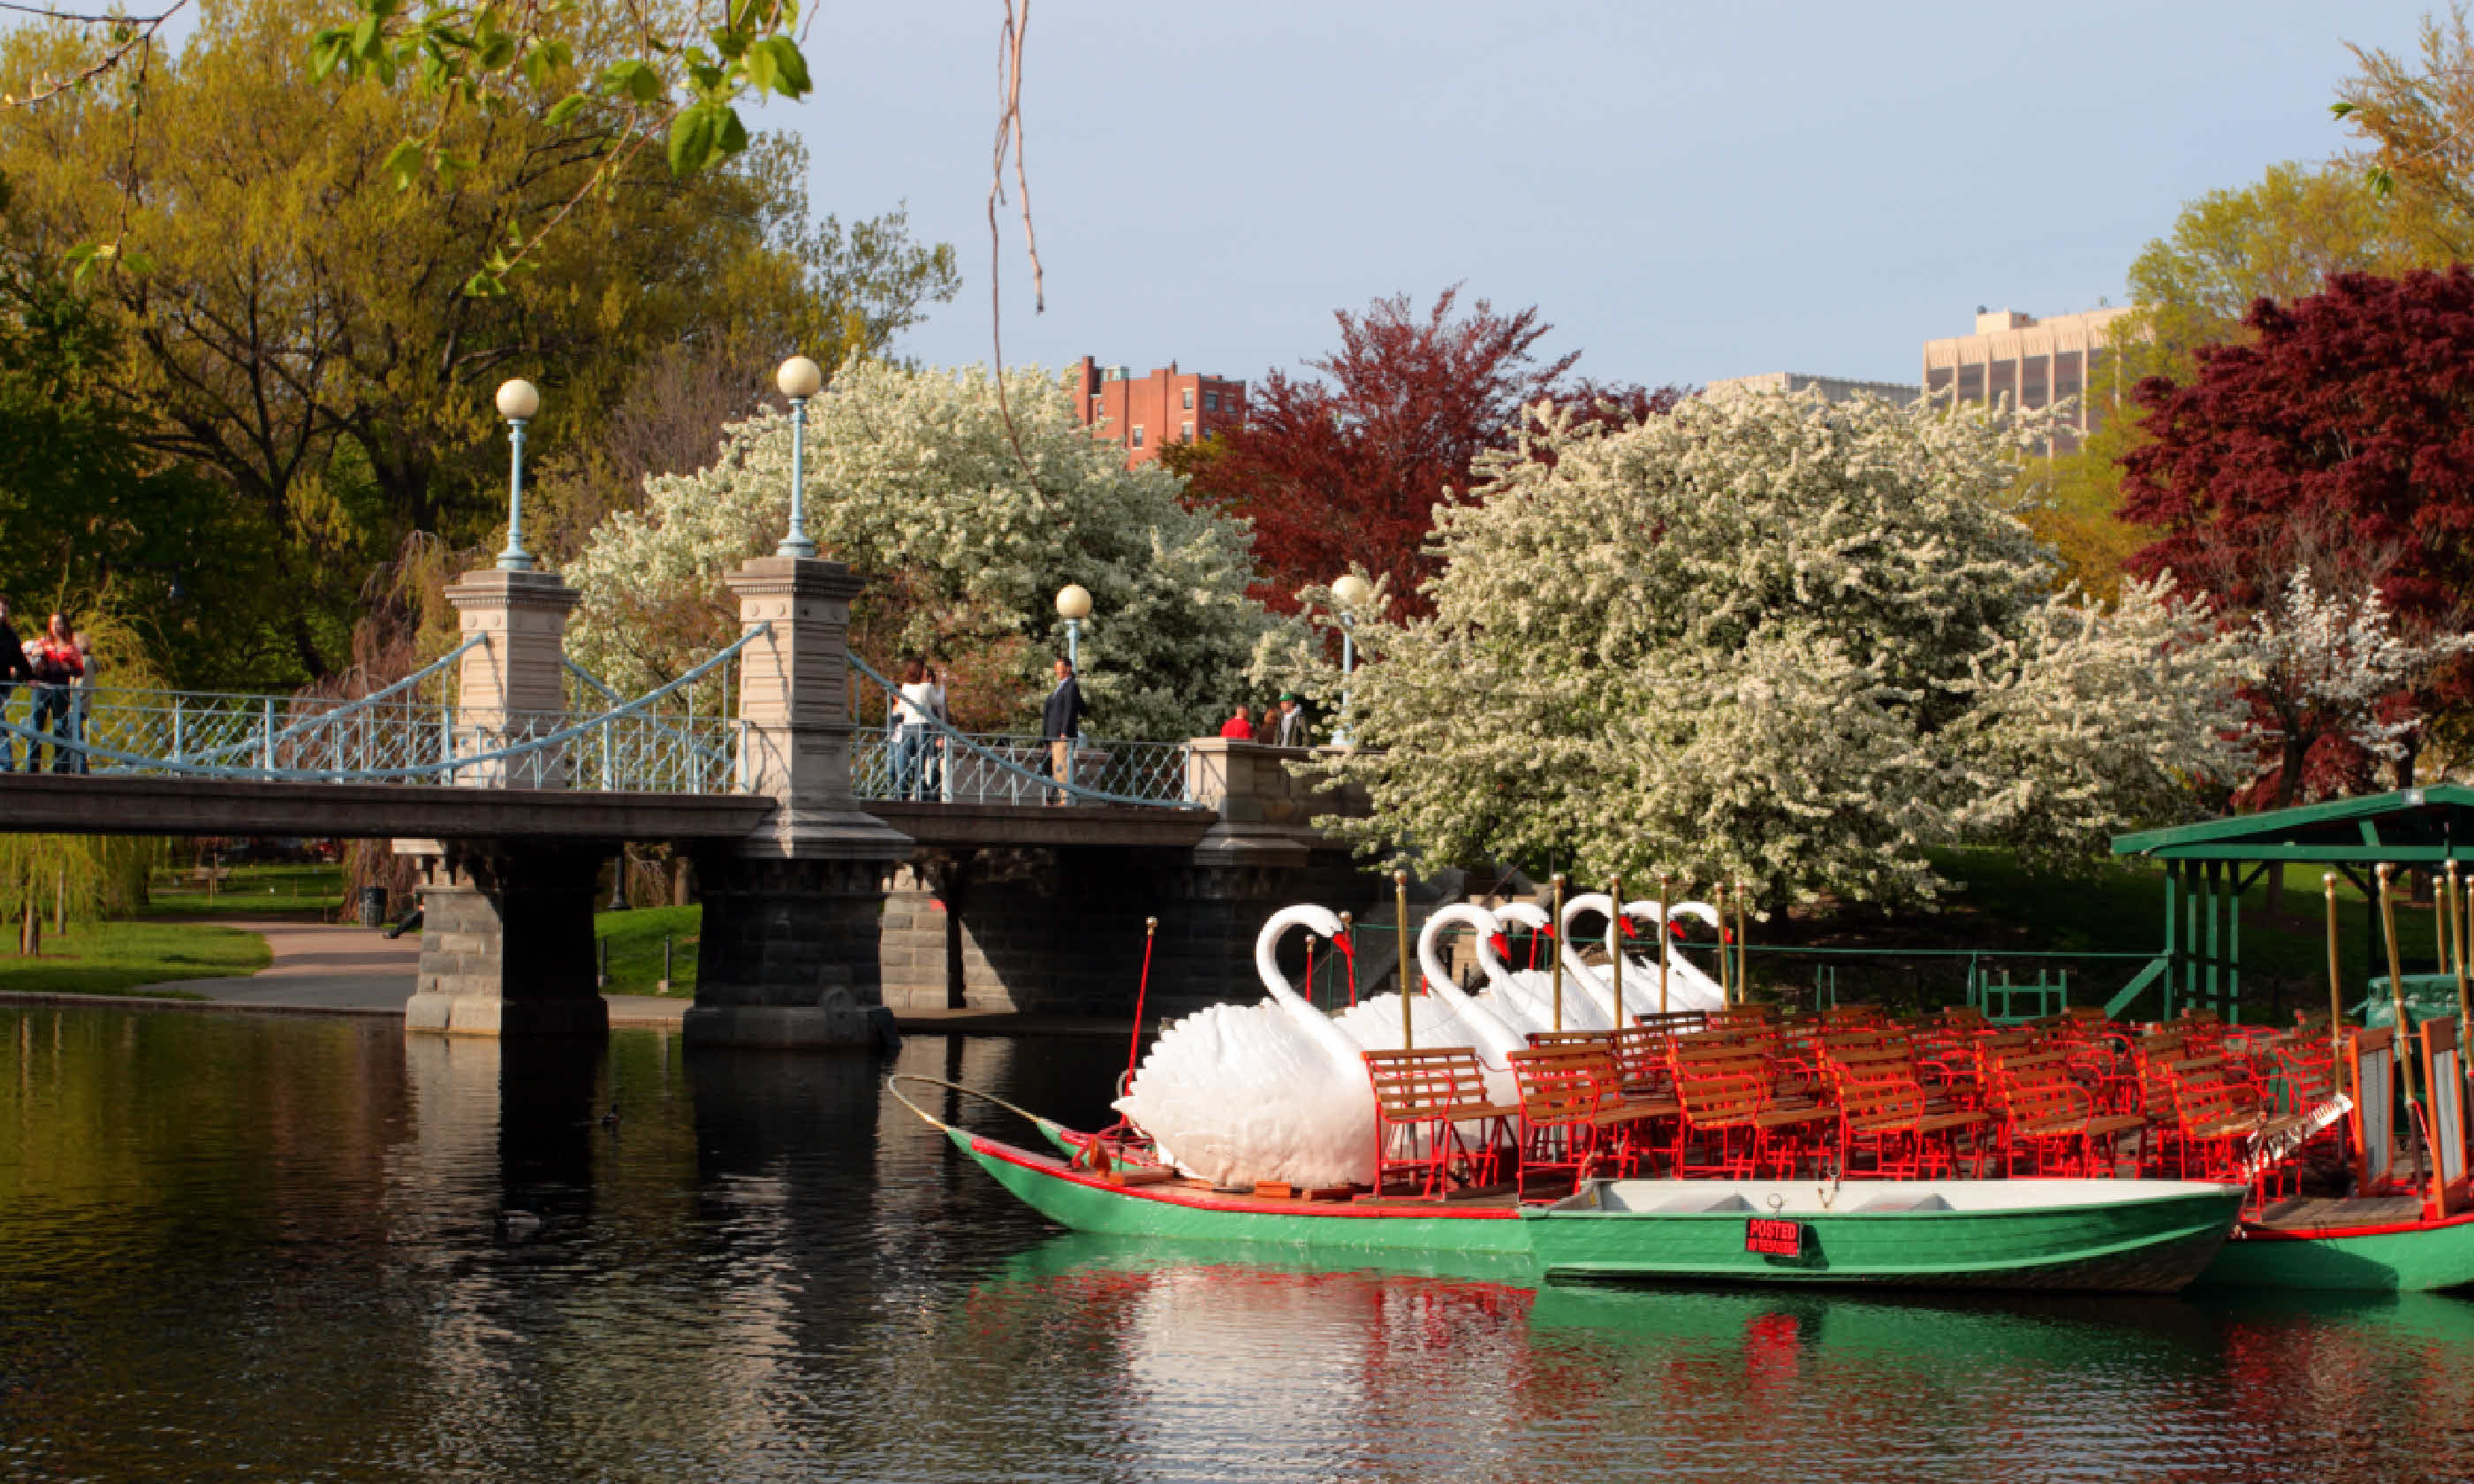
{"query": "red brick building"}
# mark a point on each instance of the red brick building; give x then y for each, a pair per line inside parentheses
(1168, 405)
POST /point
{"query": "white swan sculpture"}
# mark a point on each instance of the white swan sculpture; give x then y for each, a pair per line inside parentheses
(1272, 1090)
(1690, 990)
(1489, 1022)
(1693, 989)
(1583, 1009)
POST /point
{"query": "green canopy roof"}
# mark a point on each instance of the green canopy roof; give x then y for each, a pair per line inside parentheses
(2409, 827)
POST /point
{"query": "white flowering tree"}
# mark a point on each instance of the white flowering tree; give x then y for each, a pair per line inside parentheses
(913, 480)
(1773, 640)
(2329, 667)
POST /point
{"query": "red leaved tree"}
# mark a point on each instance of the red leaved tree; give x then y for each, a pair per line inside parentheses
(2339, 439)
(1348, 469)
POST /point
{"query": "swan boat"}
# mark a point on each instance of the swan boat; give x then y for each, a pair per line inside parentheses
(2109, 1236)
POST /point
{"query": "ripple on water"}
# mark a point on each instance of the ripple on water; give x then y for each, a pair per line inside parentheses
(312, 1250)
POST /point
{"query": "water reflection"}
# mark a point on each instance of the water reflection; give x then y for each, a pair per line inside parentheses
(312, 1249)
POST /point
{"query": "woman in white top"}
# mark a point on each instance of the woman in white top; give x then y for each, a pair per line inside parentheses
(911, 735)
(933, 777)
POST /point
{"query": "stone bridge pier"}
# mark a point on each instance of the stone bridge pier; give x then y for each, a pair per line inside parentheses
(506, 940)
(788, 952)
(1058, 928)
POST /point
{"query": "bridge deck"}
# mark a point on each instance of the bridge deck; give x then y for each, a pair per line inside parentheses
(1034, 824)
(121, 805)
(140, 805)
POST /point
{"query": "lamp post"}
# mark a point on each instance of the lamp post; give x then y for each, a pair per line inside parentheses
(1074, 605)
(518, 400)
(798, 378)
(1350, 593)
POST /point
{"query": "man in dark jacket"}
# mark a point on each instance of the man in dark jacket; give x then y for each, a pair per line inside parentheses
(14, 671)
(1060, 726)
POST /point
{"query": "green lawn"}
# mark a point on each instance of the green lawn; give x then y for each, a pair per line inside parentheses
(115, 958)
(247, 892)
(635, 938)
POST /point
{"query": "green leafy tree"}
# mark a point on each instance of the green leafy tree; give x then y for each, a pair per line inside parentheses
(301, 326)
(2280, 238)
(2413, 117)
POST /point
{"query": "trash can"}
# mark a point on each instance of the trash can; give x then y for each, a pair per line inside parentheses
(373, 906)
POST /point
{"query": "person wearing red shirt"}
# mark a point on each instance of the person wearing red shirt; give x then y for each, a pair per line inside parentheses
(58, 667)
(1237, 728)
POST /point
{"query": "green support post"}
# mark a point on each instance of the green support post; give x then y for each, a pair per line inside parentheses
(2172, 942)
(2233, 949)
(2212, 879)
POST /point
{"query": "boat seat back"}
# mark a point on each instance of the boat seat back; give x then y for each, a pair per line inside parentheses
(2443, 1075)
(1425, 1083)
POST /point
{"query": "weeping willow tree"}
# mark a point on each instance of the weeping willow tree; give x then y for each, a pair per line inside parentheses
(84, 878)
(71, 878)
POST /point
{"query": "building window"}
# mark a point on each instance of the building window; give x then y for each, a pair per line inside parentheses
(1137, 441)
(1189, 399)
(1210, 401)
(1189, 432)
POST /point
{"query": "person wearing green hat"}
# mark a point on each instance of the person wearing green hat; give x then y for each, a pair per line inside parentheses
(1292, 731)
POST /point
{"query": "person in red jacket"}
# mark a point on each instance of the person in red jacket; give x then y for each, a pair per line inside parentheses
(1237, 728)
(58, 665)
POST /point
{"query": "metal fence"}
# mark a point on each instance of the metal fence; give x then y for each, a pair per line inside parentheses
(682, 737)
(937, 763)
(677, 739)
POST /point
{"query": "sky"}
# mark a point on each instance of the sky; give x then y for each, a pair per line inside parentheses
(1686, 191)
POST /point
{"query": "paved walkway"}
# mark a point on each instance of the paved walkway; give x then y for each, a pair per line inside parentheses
(338, 966)
(335, 967)
(329, 966)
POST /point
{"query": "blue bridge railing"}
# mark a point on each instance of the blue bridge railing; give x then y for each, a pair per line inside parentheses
(681, 737)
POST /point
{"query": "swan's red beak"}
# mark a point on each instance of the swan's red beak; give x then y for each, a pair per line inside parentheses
(1501, 945)
(1677, 929)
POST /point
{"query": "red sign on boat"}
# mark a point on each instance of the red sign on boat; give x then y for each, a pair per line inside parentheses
(1775, 1238)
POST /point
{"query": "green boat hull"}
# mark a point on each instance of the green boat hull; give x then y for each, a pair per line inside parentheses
(2153, 1243)
(1085, 1203)
(2405, 1258)
(2150, 1243)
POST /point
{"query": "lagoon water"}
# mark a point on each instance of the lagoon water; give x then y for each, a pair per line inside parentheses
(276, 1249)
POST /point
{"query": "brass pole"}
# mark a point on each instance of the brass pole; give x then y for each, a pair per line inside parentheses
(1400, 905)
(2396, 986)
(1614, 941)
(1554, 948)
(1743, 995)
(2439, 926)
(2457, 911)
(2336, 974)
(1665, 916)
(1725, 963)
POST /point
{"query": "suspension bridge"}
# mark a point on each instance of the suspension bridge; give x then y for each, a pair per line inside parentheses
(841, 861)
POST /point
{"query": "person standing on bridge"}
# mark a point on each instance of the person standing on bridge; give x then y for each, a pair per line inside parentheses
(1238, 727)
(81, 694)
(57, 668)
(14, 671)
(932, 784)
(910, 737)
(1060, 726)
(1293, 721)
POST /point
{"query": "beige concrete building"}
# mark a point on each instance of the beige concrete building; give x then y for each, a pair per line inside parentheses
(1836, 389)
(2032, 362)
